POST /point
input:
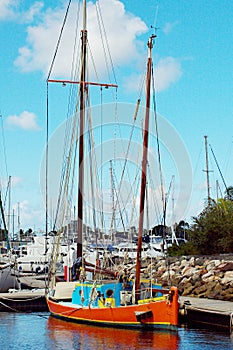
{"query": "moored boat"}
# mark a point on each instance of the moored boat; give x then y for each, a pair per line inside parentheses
(111, 304)
(8, 273)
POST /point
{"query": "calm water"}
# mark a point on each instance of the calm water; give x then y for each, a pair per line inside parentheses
(41, 331)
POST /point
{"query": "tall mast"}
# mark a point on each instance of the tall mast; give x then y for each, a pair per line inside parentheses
(207, 171)
(82, 92)
(9, 208)
(144, 168)
(4, 223)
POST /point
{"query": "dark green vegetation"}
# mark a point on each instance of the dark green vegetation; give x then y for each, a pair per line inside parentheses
(211, 231)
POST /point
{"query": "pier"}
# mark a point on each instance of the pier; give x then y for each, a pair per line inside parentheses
(211, 313)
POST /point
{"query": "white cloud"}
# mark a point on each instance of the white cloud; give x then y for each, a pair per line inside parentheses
(26, 120)
(15, 181)
(34, 10)
(167, 71)
(7, 9)
(10, 10)
(28, 214)
(121, 27)
(169, 27)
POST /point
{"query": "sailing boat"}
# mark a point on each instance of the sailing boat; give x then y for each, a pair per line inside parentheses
(121, 301)
(8, 278)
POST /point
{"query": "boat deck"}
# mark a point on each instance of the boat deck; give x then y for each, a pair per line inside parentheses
(23, 301)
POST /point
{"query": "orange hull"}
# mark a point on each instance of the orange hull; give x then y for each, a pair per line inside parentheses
(162, 314)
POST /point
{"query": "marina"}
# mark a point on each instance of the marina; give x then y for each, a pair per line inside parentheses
(118, 245)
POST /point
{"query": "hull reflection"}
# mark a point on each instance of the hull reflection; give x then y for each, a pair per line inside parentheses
(91, 337)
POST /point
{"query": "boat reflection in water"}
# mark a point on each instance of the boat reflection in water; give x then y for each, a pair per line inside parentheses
(68, 335)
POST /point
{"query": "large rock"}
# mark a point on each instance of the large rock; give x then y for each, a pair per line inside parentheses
(228, 278)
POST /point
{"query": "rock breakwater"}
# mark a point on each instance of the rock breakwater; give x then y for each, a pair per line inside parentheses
(202, 277)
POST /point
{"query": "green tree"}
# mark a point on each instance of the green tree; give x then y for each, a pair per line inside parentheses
(212, 230)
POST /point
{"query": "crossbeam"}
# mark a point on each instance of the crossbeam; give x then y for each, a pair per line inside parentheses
(81, 82)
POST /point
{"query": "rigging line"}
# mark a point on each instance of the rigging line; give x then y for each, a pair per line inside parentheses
(218, 168)
(4, 144)
(135, 197)
(127, 200)
(118, 200)
(65, 156)
(67, 159)
(74, 73)
(91, 168)
(129, 144)
(115, 126)
(93, 62)
(68, 123)
(220, 191)
(121, 217)
(113, 219)
(70, 137)
(66, 167)
(77, 43)
(156, 16)
(94, 160)
(73, 90)
(101, 152)
(100, 18)
(59, 40)
(227, 160)
(157, 140)
(46, 165)
(93, 156)
(147, 208)
(166, 200)
(198, 161)
(7, 190)
(153, 197)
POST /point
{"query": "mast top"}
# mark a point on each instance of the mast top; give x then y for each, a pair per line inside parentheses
(84, 15)
(150, 44)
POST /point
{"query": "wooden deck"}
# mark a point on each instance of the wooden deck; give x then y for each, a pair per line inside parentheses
(200, 312)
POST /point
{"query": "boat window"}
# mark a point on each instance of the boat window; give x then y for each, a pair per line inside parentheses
(109, 293)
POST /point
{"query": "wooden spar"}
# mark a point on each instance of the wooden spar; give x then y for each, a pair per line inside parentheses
(144, 170)
(82, 92)
(81, 82)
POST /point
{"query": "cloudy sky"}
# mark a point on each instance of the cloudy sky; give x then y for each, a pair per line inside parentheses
(194, 82)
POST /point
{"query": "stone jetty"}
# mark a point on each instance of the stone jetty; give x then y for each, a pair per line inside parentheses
(200, 276)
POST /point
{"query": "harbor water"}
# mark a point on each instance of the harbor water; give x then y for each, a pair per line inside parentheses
(21, 331)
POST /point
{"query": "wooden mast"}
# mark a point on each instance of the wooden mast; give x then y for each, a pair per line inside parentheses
(82, 92)
(144, 169)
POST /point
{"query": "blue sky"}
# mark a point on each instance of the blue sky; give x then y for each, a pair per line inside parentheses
(194, 79)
